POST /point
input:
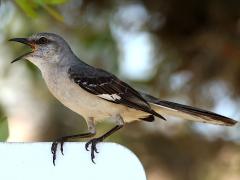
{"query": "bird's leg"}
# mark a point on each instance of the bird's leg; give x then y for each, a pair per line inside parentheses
(91, 133)
(94, 141)
(64, 139)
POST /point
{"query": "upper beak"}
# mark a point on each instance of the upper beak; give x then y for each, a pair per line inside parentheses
(21, 40)
(24, 41)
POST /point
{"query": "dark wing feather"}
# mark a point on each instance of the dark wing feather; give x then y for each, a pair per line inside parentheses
(149, 118)
(109, 87)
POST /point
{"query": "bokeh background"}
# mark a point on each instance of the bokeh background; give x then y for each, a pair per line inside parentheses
(185, 51)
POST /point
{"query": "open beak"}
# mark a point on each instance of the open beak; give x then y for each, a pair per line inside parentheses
(23, 41)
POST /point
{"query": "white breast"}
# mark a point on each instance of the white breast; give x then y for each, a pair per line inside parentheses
(75, 98)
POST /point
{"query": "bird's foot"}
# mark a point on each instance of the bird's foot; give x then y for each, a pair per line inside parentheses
(93, 143)
(54, 148)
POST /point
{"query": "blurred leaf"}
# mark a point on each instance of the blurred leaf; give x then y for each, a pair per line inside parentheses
(53, 12)
(27, 7)
(54, 1)
(3, 129)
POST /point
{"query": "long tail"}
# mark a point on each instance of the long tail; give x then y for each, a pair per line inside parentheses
(187, 112)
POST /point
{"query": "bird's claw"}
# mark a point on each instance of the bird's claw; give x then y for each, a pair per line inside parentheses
(54, 148)
(94, 150)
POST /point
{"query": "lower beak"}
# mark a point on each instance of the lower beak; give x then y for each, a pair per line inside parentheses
(23, 41)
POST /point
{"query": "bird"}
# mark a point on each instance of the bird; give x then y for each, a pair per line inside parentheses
(97, 95)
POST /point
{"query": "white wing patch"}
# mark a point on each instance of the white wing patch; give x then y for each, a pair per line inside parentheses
(110, 97)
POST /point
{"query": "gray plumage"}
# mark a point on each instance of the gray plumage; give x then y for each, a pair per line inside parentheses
(98, 95)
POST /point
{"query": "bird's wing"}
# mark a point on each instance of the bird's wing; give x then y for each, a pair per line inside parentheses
(108, 87)
(187, 112)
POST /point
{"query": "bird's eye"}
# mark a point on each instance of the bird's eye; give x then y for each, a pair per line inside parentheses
(42, 40)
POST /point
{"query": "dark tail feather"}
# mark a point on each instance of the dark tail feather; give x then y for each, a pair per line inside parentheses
(187, 112)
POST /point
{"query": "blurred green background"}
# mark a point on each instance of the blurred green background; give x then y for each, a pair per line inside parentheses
(185, 51)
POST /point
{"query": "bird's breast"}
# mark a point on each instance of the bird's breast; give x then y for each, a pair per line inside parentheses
(77, 99)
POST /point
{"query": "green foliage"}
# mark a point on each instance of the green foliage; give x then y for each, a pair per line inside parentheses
(27, 7)
(30, 7)
(3, 129)
(54, 2)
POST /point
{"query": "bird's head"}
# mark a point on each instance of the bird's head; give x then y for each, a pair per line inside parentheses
(46, 48)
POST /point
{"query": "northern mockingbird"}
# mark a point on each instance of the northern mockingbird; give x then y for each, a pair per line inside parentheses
(98, 95)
